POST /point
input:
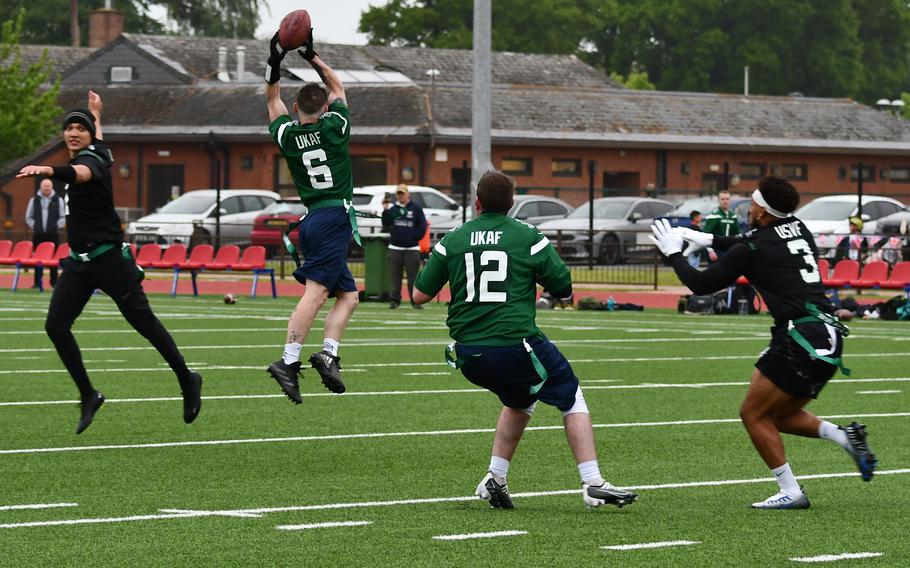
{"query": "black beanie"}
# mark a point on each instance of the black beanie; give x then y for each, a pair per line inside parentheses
(80, 116)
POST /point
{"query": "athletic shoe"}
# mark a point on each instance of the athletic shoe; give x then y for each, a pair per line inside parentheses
(192, 397)
(286, 375)
(416, 306)
(606, 494)
(781, 500)
(89, 408)
(329, 368)
(860, 450)
(494, 493)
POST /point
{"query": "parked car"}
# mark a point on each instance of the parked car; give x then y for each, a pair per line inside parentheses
(618, 222)
(194, 213)
(829, 214)
(679, 217)
(274, 220)
(895, 224)
(437, 206)
(532, 209)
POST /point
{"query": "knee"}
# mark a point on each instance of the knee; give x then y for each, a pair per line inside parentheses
(54, 327)
(350, 299)
(749, 413)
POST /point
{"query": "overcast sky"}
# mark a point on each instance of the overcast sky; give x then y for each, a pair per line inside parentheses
(334, 21)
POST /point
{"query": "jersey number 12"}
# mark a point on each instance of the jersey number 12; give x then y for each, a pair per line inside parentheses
(483, 294)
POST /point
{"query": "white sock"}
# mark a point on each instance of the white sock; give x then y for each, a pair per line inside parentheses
(589, 472)
(330, 346)
(786, 480)
(499, 467)
(829, 431)
(291, 353)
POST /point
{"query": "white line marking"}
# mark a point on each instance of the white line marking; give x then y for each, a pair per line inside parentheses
(493, 534)
(323, 525)
(879, 392)
(434, 374)
(651, 545)
(36, 506)
(94, 521)
(833, 557)
(396, 435)
(209, 513)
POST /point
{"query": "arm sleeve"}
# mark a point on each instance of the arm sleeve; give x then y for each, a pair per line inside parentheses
(94, 162)
(421, 225)
(278, 129)
(552, 273)
(711, 221)
(435, 274)
(724, 243)
(338, 119)
(719, 275)
(30, 213)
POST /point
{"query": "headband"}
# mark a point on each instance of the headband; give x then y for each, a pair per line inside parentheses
(760, 199)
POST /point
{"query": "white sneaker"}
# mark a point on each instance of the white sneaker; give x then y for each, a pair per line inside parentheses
(606, 494)
(781, 500)
(494, 492)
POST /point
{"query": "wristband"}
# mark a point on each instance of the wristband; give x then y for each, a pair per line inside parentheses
(64, 173)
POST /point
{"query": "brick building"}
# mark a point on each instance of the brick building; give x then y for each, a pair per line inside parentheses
(184, 113)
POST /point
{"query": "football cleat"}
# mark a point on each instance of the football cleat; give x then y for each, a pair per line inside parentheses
(89, 408)
(859, 450)
(606, 494)
(329, 369)
(495, 493)
(192, 397)
(781, 500)
(286, 375)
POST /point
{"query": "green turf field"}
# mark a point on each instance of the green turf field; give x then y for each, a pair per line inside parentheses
(397, 458)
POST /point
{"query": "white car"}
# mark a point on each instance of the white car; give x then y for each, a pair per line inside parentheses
(437, 206)
(830, 214)
(194, 213)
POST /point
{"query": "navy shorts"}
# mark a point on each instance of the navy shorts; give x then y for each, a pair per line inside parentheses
(508, 373)
(790, 367)
(324, 237)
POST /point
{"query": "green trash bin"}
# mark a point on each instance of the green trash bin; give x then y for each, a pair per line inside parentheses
(376, 267)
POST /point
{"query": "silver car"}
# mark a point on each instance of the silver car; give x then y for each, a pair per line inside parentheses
(532, 209)
(620, 227)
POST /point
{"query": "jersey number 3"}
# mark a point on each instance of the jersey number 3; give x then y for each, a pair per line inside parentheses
(486, 277)
(801, 247)
(317, 171)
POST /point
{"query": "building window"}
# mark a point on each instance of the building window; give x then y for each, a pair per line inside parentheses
(899, 174)
(792, 172)
(121, 74)
(369, 170)
(246, 162)
(751, 170)
(517, 166)
(868, 173)
(565, 167)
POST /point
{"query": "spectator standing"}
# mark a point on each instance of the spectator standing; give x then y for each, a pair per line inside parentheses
(45, 216)
(695, 224)
(407, 225)
(721, 222)
(853, 246)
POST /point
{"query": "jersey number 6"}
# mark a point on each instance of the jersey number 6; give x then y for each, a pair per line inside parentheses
(317, 170)
(487, 276)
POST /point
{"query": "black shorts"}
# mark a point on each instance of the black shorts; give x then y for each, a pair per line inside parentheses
(790, 367)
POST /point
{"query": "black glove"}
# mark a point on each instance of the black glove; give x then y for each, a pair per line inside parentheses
(306, 50)
(273, 65)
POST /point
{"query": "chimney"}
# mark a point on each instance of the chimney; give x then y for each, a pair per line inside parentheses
(241, 62)
(223, 74)
(104, 25)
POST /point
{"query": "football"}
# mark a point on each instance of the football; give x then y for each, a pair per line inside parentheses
(294, 30)
(230, 299)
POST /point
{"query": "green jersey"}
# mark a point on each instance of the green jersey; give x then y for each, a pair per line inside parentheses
(317, 154)
(722, 223)
(493, 264)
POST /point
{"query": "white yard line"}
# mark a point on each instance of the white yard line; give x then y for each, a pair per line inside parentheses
(879, 392)
(424, 501)
(468, 536)
(323, 525)
(644, 545)
(405, 434)
(835, 557)
(36, 506)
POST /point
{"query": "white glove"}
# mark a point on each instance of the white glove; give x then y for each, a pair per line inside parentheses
(666, 240)
(697, 240)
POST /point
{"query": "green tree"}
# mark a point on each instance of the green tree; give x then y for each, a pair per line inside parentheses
(28, 106)
(47, 23)
(637, 80)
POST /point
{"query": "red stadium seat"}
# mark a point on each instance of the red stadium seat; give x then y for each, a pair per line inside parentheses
(823, 269)
(873, 274)
(254, 259)
(42, 254)
(227, 257)
(63, 251)
(20, 252)
(845, 271)
(900, 277)
(5, 248)
(148, 255)
(200, 256)
(173, 257)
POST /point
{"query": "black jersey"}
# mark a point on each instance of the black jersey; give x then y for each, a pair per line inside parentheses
(92, 220)
(779, 259)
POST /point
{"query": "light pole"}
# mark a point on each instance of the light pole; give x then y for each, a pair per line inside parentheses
(432, 74)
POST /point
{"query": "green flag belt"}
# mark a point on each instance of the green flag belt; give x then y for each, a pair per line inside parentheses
(456, 362)
(815, 316)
